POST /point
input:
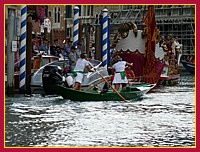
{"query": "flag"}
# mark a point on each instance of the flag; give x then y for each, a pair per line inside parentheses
(151, 74)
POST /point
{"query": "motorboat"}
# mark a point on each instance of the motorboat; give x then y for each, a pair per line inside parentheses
(40, 79)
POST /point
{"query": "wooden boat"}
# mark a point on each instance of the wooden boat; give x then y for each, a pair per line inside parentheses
(189, 66)
(129, 93)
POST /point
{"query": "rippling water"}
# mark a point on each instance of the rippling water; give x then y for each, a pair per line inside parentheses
(165, 117)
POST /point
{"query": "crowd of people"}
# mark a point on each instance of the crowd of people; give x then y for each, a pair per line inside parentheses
(190, 58)
(172, 49)
(41, 46)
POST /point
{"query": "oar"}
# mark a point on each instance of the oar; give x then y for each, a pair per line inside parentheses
(92, 86)
(112, 87)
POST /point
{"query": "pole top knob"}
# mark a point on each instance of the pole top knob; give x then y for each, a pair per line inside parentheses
(105, 10)
(76, 8)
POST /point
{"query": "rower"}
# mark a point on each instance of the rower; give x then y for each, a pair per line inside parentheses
(81, 64)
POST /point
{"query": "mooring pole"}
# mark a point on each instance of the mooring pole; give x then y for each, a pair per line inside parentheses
(76, 25)
(28, 54)
(108, 44)
(87, 31)
(23, 49)
(10, 53)
(104, 43)
(98, 42)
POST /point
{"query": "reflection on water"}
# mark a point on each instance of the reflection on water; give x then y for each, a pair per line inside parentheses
(164, 117)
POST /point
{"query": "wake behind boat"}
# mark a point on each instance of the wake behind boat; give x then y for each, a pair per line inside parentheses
(129, 93)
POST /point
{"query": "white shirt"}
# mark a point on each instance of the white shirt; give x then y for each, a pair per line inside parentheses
(119, 66)
(81, 64)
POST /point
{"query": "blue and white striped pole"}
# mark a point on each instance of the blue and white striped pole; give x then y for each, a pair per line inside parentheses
(101, 29)
(108, 41)
(76, 24)
(23, 48)
(105, 38)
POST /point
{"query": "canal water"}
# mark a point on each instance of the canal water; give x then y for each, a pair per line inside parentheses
(163, 118)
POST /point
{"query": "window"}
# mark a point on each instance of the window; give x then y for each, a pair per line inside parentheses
(68, 32)
(68, 11)
(92, 10)
(79, 6)
(58, 14)
(56, 17)
(49, 14)
(88, 10)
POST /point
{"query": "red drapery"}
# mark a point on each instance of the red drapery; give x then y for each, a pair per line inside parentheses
(150, 70)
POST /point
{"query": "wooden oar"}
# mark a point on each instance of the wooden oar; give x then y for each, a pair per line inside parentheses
(112, 87)
(92, 86)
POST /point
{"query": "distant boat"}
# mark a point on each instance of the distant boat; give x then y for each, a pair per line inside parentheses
(189, 66)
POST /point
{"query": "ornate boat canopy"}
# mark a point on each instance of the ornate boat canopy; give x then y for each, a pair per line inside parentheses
(136, 43)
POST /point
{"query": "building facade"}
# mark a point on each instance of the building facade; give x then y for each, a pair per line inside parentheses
(177, 20)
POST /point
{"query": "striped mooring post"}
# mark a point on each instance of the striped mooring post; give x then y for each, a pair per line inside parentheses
(104, 33)
(22, 86)
(76, 25)
(108, 41)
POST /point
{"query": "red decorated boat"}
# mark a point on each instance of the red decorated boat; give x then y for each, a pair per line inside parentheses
(154, 61)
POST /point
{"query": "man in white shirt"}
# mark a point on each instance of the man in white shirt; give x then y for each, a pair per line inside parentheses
(81, 64)
(119, 70)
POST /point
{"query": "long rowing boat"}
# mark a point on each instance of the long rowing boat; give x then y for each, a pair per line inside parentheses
(129, 93)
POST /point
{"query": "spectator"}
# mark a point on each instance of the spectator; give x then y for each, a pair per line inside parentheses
(68, 46)
(56, 44)
(130, 74)
(93, 51)
(44, 46)
(62, 53)
(35, 48)
(78, 50)
(72, 58)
